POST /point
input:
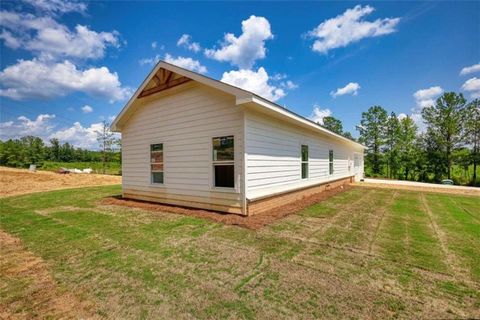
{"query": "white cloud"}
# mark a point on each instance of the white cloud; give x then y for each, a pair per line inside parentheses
(49, 39)
(10, 40)
(402, 116)
(426, 97)
(87, 109)
(257, 82)
(38, 79)
(244, 50)
(58, 6)
(472, 86)
(289, 85)
(149, 61)
(43, 127)
(351, 88)
(471, 69)
(79, 136)
(186, 63)
(154, 44)
(318, 114)
(349, 27)
(186, 42)
(40, 127)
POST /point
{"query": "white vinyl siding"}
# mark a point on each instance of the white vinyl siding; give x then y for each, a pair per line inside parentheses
(185, 121)
(273, 160)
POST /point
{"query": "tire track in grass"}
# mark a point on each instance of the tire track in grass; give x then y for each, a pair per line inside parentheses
(377, 229)
(465, 209)
(461, 231)
(442, 239)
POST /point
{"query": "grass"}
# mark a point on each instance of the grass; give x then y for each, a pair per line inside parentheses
(363, 253)
(110, 168)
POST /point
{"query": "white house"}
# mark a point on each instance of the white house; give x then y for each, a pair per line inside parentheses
(193, 141)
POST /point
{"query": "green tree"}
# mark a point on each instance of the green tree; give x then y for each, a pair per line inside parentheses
(34, 150)
(348, 135)
(54, 149)
(472, 134)
(333, 124)
(444, 124)
(372, 134)
(392, 135)
(406, 145)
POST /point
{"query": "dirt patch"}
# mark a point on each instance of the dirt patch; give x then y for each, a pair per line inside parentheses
(21, 181)
(252, 222)
(36, 293)
(461, 191)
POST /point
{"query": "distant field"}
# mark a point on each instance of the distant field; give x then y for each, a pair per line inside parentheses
(111, 167)
(364, 253)
(15, 181)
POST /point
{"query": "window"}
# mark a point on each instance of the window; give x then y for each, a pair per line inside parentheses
(330, 161)
(156, 163)
(304, 161)
(223, 162)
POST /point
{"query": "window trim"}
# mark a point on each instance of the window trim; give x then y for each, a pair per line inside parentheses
(331, 158)
(156, 184)
(302, 162)
(214, 163)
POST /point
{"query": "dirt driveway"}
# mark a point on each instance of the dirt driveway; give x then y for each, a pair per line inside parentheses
(21, 181)
(418, 186)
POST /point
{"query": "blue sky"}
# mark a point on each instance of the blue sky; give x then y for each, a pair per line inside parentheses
(66, 66)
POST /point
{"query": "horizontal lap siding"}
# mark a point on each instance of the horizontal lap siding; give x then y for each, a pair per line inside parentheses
(185, 122)
(273, 156)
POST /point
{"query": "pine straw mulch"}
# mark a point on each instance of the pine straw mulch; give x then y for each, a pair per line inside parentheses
(252, 222)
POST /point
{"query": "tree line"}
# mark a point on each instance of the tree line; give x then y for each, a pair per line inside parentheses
(28, 150)
(398, 150)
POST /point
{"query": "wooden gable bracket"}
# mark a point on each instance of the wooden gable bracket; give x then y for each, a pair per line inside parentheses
(165, 85)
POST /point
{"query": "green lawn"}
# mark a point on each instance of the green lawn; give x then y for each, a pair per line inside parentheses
(365, 253)
(110, 168)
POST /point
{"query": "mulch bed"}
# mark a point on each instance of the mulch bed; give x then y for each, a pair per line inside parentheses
(252, 222)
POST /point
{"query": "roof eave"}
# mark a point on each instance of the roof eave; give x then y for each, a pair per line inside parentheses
(292, 115)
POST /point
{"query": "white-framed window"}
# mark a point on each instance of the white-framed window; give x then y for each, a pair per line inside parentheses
(156, 163)
(330, 161)
(223, 162)
(304, 156)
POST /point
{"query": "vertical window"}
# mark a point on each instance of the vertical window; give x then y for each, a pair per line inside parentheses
(223, 162)
(330, 161)
(304, 161)
(156, 162)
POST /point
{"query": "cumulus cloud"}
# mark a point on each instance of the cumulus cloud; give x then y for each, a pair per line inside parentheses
(351, 88)
(186, 42)
(23, 126)
(426, 97)
(43, 126)
(58, 6)
(39, 79)
(318, 114)
(149, 61)
(349, 27)
(186, 63)
(254, 81)
(79, 136)
(87, 109)
(244, 50)
(472, 86)
(471, 69)
(50, 39)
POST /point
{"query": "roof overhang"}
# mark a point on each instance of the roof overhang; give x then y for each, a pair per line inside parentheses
(160, 79)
